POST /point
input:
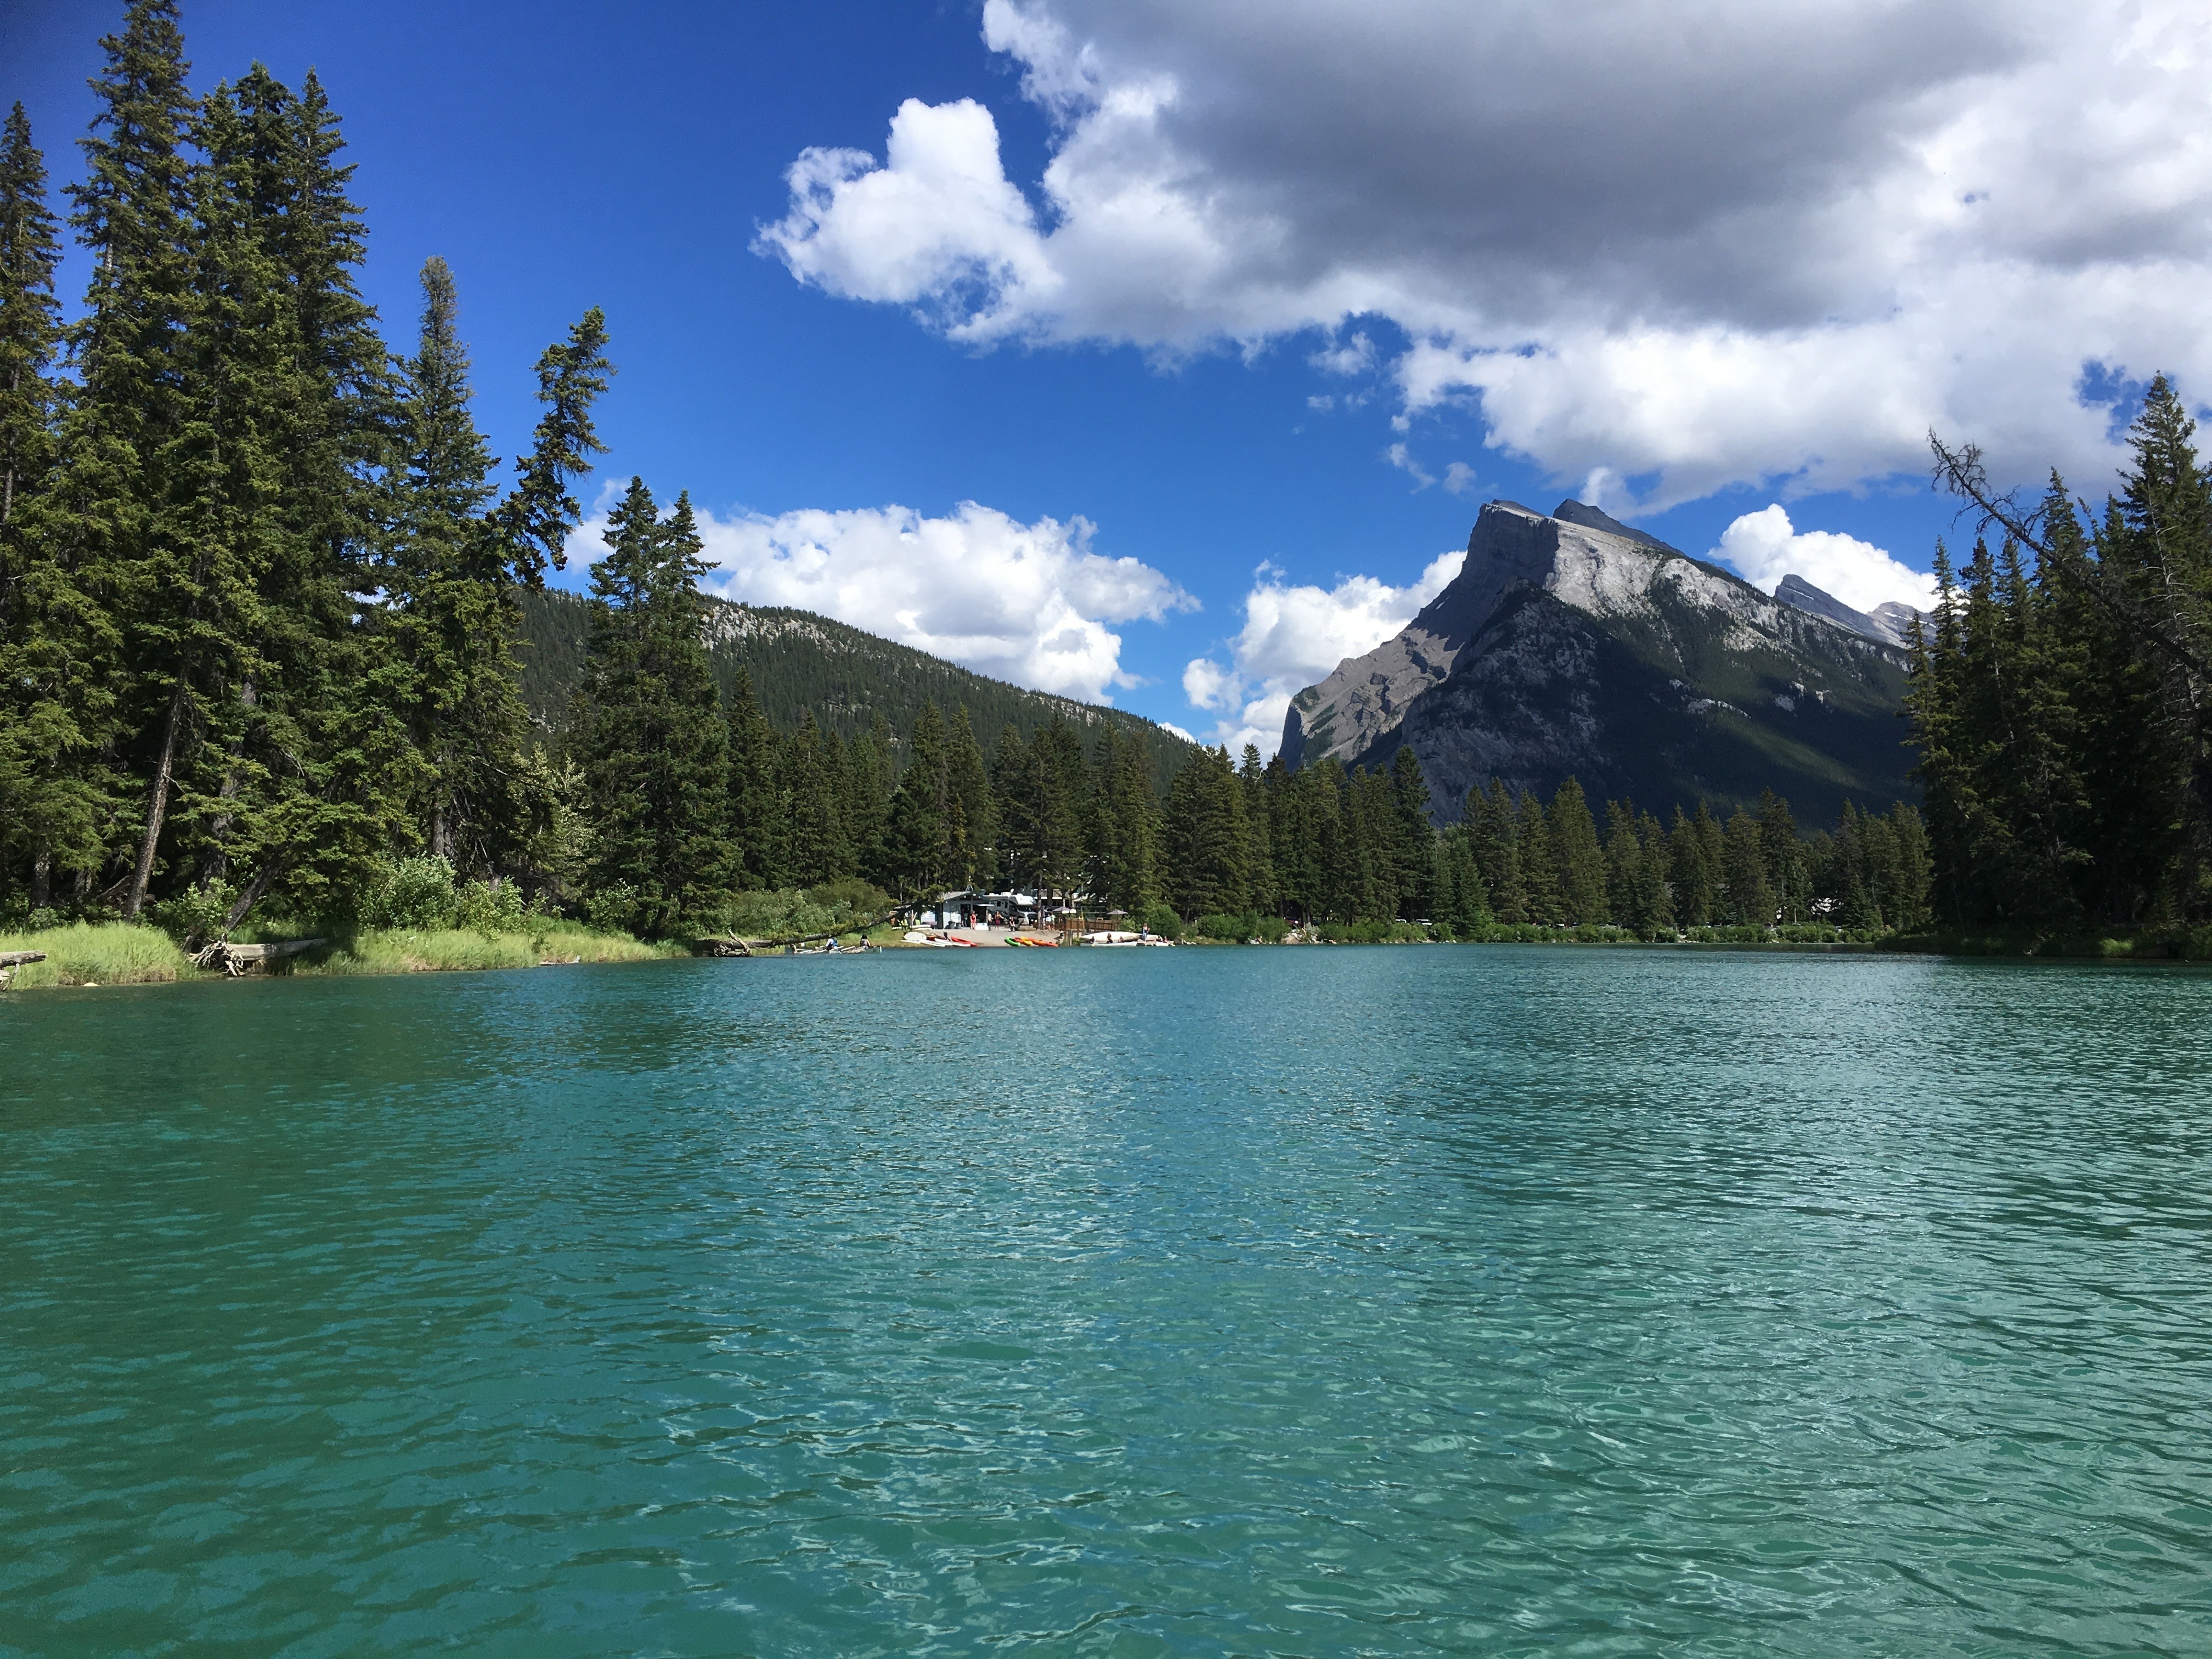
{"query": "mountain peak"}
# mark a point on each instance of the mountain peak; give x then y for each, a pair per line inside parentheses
(1591, 518)
(1570, 643)
(1891, 623)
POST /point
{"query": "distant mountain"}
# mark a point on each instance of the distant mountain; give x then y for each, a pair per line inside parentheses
(1890, 622)
(799, 660)
(1572, 644)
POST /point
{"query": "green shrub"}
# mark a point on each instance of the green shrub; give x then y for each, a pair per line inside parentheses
(407, 893)
(1160, 919)
(194, 917)
(1270, 929)
(485, 908)
(1233, 930)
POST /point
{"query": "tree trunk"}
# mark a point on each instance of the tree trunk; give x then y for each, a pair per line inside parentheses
(217, 866)
(157, 806)
(42, 881)
(252, 896)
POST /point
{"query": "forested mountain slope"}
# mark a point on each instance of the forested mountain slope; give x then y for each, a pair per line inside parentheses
(799, 660)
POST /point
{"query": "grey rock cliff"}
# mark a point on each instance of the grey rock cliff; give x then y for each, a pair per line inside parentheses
(1891, 623)
(1570, 644)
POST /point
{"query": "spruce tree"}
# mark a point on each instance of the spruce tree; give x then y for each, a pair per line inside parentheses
(971, 855)
(116, 497)
(1489, 841)
(1413, 851)
(755, 809)
(54, 794)
(1538, 863)
(1692, 871)
(649, 726)
(917, 831)
(1205, 839)
(1581, 862)
(30, 337)
(1749, 896)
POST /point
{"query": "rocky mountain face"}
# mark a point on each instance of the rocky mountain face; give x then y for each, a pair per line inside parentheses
(1572, 644)
(1891, 624)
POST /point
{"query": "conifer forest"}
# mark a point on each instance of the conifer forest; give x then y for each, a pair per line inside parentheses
(262, 584)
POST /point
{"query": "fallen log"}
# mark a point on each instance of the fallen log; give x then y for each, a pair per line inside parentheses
(730, 945)
(236, 960)
(21, 958)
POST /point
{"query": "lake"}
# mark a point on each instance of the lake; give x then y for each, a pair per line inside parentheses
(1460, 1300)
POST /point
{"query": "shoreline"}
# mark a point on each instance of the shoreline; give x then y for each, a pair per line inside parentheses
(94, 956)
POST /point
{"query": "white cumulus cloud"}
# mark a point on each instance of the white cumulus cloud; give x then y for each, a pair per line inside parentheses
(1765, 547)
(1027, 603)
(1723, 241)
(1293, 635)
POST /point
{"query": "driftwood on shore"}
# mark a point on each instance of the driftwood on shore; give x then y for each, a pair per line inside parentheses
(11, 960)
(237, 959)
(730, 945)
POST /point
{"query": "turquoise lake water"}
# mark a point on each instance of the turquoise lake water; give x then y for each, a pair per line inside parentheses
(1470, 1300)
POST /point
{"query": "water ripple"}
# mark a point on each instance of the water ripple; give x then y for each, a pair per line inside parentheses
(1345, 1302)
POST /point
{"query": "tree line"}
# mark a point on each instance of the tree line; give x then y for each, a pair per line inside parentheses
(691, 799)
(2062, 697)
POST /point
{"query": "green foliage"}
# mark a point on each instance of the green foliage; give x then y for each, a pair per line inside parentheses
(790, 912)
(1159, 918)
(649, 730)
(2057, 701)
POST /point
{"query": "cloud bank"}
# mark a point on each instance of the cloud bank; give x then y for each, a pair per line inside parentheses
(1763, 547)
(1723, 242)
(1026, 603)
(1292, 636)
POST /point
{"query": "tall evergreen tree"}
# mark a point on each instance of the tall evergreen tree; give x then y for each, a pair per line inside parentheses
(917, 832)
(1413, 841)
(115, 500)
(53, 795)
(1205, 838)
(649, 726)
(1580, 862)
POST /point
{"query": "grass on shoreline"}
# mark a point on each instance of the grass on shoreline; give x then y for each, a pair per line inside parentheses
(127, 953)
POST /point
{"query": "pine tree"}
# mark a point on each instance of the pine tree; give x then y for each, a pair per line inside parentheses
(1413, 841)
(1490, 840)
(1259, 850)
(1538, 864)
(1656, 901)
(817, 847)
(1206, 842)
(54, 794)
(1580, 862)
(917, 831)
(1749, 896)
(1781, 854)
(1626, 885)
(649, 725)
(30, 337)
(1692, 871)
(458, 565)
(114, 497)
(755, 820)
(972, 858)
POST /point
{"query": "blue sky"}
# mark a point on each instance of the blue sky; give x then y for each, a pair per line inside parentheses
(1434, 234)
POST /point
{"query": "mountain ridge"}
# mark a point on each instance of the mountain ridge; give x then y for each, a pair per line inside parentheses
(1570, 644)
(844, 675)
